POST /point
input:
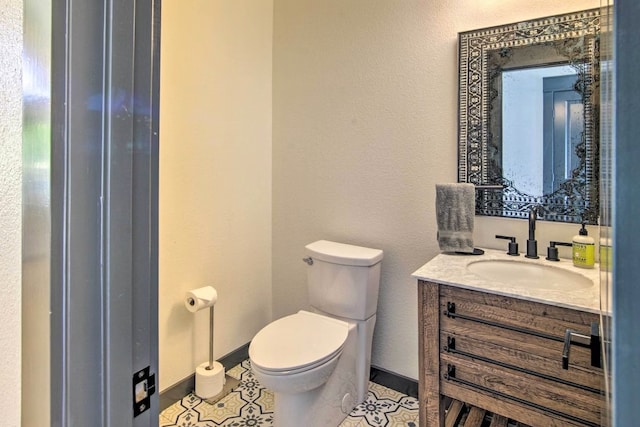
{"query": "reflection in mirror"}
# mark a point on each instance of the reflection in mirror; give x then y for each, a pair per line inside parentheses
(544, 101)
(528, 117)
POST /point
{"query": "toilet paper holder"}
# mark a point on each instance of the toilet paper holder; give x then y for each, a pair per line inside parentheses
(228, 383)
(197, 300)
(210, 367)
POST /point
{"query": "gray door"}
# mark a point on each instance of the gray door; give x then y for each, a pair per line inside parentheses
(626, 205)
(104, 212)
(563, 126)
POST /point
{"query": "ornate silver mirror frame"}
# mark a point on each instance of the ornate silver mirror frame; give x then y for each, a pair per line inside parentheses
(483, 54)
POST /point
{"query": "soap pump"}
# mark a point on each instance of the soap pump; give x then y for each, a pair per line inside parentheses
(583, 248)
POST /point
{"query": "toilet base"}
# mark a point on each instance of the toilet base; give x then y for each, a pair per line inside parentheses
(363, 352)
(311, 409)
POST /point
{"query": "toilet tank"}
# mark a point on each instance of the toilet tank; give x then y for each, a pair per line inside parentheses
(343, 280)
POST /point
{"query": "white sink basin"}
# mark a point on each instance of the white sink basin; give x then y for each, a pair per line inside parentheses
(530, 275)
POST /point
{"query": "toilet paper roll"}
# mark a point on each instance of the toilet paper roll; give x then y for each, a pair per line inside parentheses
(209, 382)
(200, 298)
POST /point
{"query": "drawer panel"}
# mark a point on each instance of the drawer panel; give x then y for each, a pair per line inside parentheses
(550, 349)
(522, 388)
(529, 315)
(508, 352)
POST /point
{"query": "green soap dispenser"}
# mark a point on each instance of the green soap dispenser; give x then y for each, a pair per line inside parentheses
(583, 249)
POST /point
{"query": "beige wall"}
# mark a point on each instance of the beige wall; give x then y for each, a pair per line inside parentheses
(10, 208)
(364, 125)
(215, 176)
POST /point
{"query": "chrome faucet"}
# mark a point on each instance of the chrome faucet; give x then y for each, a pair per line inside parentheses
(532, 244)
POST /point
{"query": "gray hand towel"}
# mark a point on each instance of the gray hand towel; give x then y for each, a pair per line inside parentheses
(455, 209)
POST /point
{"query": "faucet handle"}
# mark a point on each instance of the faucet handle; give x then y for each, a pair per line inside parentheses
(552, 251)
(513, 246)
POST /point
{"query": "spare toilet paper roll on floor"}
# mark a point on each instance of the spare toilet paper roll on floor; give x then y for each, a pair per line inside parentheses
(200, 298)
(209, 382)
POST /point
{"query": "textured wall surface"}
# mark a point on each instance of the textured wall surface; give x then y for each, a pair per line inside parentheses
(10, 207)
(364, 125)
(215, 176)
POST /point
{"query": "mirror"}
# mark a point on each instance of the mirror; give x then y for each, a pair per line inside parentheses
(528, 117)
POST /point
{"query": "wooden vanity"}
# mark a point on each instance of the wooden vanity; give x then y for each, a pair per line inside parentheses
(504, 354)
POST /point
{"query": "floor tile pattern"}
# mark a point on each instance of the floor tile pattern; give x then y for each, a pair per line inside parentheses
(250, 404)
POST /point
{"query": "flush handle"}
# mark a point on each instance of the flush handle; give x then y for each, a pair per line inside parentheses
(308, 260)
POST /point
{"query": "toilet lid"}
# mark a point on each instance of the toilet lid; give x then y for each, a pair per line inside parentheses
(301, 340)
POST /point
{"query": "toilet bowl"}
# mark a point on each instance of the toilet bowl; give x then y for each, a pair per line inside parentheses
(297, 353)
(308, 361)
(297, 382)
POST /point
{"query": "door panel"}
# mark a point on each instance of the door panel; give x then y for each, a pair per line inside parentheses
(104, 209)
(563, 127)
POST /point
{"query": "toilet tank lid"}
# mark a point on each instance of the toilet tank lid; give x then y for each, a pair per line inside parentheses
(341, 253)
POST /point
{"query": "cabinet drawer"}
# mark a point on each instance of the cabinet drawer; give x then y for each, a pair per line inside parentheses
(533, 316)
(532, 395)
(509, 354)
(550, 349)
(515, 324)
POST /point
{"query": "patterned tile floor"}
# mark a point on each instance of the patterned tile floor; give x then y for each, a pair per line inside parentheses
(252, 405)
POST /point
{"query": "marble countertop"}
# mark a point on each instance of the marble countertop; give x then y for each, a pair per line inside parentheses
(451, 269)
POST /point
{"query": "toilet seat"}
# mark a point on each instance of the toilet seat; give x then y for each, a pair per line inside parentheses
(297, 343)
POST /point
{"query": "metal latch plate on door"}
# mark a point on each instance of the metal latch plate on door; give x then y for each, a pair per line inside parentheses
(144, 385)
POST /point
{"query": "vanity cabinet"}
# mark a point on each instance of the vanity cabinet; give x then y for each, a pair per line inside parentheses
(505, 355)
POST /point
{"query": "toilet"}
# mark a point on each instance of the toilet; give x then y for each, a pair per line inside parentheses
(317, 361)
